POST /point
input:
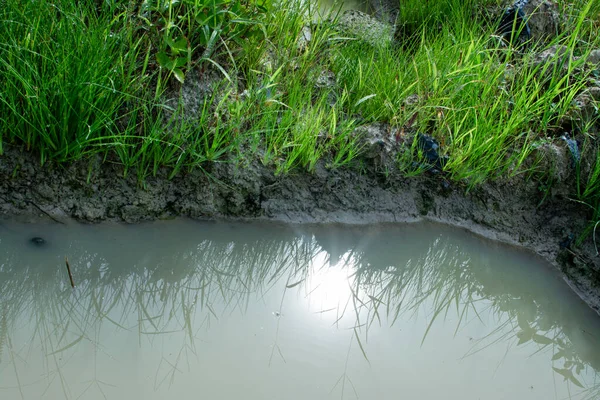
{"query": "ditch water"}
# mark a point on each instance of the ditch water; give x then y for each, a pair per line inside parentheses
(184, 309)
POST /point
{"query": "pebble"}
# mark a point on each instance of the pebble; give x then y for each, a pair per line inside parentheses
(38, 241)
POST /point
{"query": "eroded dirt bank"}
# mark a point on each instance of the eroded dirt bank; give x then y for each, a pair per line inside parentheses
(508, 210)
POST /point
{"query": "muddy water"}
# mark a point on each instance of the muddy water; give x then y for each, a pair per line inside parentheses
(181, 310)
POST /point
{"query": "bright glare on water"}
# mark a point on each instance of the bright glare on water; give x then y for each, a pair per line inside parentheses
(189, 310)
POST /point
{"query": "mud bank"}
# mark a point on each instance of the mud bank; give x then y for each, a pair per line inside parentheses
(513, 211)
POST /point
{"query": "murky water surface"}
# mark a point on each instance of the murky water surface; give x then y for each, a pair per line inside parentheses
(182, 310)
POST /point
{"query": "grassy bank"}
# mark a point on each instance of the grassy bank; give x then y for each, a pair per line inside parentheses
(100, 78)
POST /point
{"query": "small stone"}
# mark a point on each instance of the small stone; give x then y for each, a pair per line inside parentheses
(375, 140)
(594, 91)
(411, 100)
(304, 39)
(366, 28)
(552, 53)
(326, 80)
(594, 57)
(543, 18)
(38, 241)
(586, 105)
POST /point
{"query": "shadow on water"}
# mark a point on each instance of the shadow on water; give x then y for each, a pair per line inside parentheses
(181, 277)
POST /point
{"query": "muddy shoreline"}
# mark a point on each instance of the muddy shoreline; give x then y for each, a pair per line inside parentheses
(513, 211)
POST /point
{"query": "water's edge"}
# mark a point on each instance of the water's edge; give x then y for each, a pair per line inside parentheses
(512, 211)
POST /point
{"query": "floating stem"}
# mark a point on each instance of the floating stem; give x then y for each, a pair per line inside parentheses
(69, 270)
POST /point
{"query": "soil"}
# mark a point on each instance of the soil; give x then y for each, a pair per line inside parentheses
(513, 211)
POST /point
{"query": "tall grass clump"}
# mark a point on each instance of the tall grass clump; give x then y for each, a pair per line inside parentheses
(586, 21)
(66, 76)
(484, 101)
(426, 21)
(572, 10)
(189, 33)
(291, 115)
(82, 78)
(89, 78)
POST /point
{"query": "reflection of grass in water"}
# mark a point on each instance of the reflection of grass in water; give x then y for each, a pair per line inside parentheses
(399, 289)
(213, 278)
(390, 291)
(167, 294)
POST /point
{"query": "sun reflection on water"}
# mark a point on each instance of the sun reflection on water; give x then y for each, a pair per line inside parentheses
(329, 286)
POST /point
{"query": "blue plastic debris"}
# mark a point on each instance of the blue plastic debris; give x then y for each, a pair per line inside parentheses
(431, 148)
(566, 242)
(573, 147)
(514, 27)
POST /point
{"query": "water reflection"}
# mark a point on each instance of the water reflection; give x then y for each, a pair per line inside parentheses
(234, 310)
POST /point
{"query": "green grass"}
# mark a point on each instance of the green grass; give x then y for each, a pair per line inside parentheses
(52, 101)
(487, 113)
(88, 78)
(80, 80)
